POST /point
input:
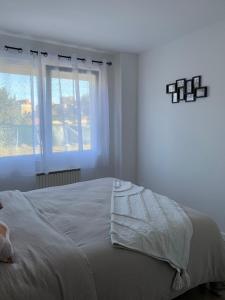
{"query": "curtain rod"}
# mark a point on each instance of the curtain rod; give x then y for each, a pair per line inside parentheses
(20, 50)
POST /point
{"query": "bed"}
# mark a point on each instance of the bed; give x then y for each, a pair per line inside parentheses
(62, 249)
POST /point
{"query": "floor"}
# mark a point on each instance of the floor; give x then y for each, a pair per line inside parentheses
(201, 293)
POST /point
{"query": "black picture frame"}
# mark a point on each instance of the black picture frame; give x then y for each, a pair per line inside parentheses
(201, 92)
(171, 88)
(197, 81)
(175, 98)
(181, 93)
(188, 90)
(190, 97)
(189, 86)
(180, 82)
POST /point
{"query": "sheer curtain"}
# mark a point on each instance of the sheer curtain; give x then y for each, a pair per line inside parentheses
(54, 114)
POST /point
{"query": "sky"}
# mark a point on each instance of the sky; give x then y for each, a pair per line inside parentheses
(20, 87)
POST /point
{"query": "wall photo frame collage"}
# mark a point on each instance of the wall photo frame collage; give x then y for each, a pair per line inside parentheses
(187, 90)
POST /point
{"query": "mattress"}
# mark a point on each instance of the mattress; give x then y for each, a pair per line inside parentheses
(62, 246)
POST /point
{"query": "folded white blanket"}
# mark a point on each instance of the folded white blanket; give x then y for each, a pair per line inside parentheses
(151, 224)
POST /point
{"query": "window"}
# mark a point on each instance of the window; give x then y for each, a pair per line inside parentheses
(19, 116)
(71, 109)
(53, 114)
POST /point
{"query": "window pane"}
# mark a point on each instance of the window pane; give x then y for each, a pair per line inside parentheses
(18, 115)
(71, 111)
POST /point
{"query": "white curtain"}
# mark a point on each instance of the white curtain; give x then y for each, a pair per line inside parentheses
(54, 114)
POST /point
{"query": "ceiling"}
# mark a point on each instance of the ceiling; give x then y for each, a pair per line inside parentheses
(111, 25)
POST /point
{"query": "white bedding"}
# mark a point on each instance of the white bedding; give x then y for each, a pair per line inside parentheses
(63, 250)
(152, 224)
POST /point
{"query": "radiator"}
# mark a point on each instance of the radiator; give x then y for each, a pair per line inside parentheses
(57, 178)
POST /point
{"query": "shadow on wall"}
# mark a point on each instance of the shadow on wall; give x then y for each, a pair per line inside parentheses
(18, 182)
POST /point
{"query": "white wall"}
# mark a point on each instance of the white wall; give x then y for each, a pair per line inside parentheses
(129, 115)
(126, 116)
(122, 101)
(181, 147)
